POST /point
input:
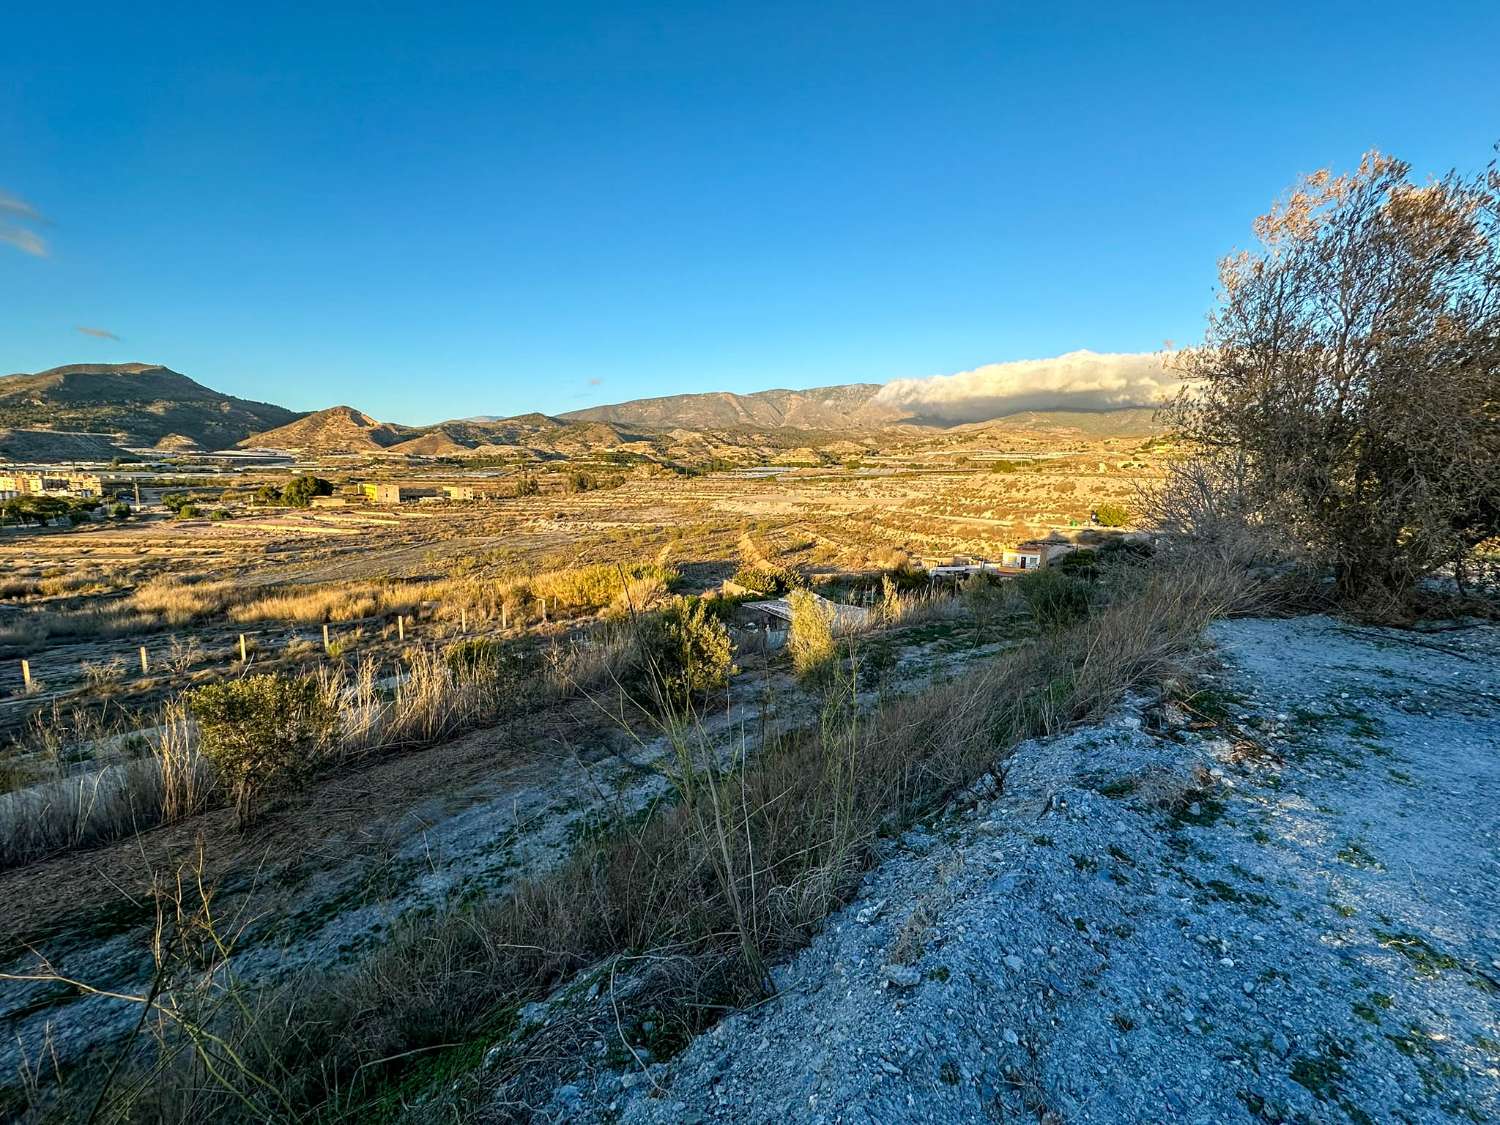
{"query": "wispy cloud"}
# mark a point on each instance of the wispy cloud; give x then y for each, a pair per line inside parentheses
(19, 208)
(98, 333)
(26, 241)
(17, 212)
(596, 382)
(1080, 380)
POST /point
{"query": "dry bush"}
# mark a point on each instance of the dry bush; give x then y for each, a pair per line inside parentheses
(639, 594)
(434, 699)
(590, 663)
(38, 625)
(23, 633)
(1345, 392)
(71, 583)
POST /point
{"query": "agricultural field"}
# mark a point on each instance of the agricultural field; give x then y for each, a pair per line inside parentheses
(80, 605)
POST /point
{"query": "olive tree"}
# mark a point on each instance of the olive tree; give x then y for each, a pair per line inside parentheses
(1350, 374)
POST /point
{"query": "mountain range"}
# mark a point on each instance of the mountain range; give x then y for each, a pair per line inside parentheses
(853, 406)
(95, 411)
(125, 404)
(343, 429)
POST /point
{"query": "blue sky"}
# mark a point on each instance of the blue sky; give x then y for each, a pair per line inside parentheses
(437, 210)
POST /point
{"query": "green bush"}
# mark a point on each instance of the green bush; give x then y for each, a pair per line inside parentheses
(188, 512)
(301, 489)
(262, 733)
(771, 581)
(1112, 515)
(810, 637)
(1079, 564)
(119, 510)
(1057, 599)
(682, 650)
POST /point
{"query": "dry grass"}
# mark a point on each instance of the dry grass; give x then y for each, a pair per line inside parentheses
(168, 782)
(734, 873)
(16, 586)
(104, 798)
(322, 603)
(168, 601)
(177, 602)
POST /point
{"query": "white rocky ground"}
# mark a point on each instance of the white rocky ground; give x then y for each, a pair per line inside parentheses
(1311, 936)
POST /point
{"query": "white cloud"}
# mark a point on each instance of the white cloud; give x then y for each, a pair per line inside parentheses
(28, 242)
(19, 211)
(1080, 380)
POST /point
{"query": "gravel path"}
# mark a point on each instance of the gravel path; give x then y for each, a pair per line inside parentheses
(1288, 917)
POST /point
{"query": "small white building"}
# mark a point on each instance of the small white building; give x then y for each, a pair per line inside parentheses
(1035, 553)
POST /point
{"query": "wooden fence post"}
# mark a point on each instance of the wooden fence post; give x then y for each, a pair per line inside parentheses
(463, 619)
(145, 663)
(401, 626)
(243, 656)
(326, 647)
(26, 674)
(504, 617)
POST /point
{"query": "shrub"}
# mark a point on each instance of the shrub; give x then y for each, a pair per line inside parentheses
(682, 651)
(301, 489)
(810, 638)
(119, 510)
(1057, 599)
(1131, 550)
(1112, 515)
(188, 512)
(261, 732)
(772, 581)
(1079, 564)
